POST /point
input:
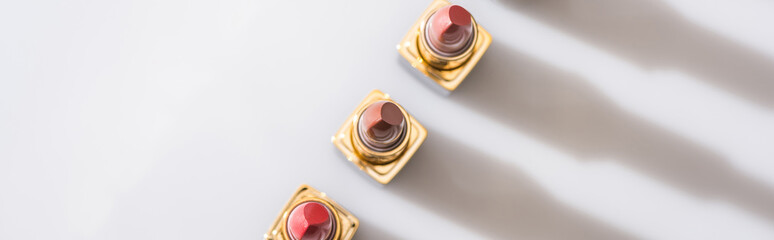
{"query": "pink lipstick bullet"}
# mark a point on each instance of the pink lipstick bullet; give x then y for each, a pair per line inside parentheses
(444, 44)
(449, 30)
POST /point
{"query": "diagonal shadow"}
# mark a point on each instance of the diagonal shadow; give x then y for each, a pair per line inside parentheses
(651, 34)
(564, 110)
(491, 197)
(371, 231)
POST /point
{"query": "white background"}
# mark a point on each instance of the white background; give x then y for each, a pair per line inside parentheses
(586, 119)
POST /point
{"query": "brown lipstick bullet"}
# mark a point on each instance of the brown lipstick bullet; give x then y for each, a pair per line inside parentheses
(379, 137)
(382, 126)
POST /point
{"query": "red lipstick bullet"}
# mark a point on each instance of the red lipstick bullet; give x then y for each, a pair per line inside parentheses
(311, 221)
(311, 215)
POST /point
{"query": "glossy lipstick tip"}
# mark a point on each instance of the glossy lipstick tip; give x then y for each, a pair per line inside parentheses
(310, 220)
(450, 30)
(381, 126)
(459, 16)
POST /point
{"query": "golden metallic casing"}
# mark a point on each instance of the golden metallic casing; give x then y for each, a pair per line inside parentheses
(446, 72)
(381, 166)
(346, 223)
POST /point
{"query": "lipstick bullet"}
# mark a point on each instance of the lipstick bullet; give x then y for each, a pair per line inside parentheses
(311, 215)
(382, 126)
(379, 137)
(311, 220)
(449, 31)
(445, 44)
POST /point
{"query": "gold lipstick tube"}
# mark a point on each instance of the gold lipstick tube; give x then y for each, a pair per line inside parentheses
(447, 72)
(382, 166)
(345, 224)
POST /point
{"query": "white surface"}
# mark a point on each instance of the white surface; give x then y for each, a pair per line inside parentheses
(601, 119)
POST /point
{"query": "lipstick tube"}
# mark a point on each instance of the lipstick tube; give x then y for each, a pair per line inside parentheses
(310, 214)
(445, 44)
(379, 137)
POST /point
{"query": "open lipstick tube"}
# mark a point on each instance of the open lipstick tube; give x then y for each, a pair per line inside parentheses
(445, 44)
(379, 137)
(311, 215)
